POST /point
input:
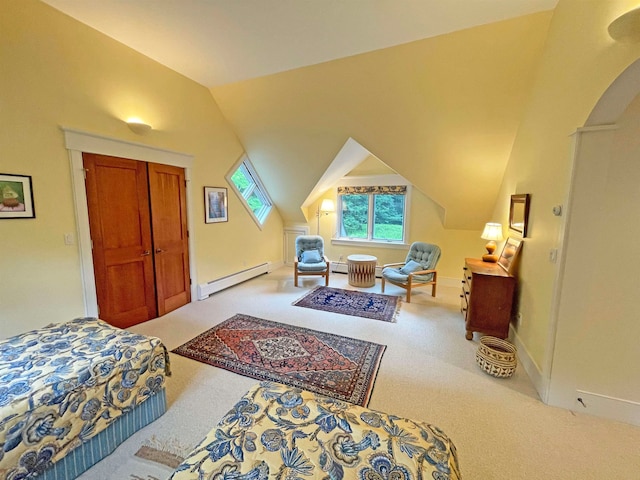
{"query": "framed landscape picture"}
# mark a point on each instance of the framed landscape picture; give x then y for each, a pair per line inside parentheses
(215, 205)
(16, 196)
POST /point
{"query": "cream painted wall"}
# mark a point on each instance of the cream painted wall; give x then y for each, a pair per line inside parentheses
(58, 72)
(579, 62)
(442, 112)
(425, 226)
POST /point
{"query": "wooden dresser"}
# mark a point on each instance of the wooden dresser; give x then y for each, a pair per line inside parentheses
(486, 298)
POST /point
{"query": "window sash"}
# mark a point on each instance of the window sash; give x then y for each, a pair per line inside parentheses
(372, 230)
(254, 196)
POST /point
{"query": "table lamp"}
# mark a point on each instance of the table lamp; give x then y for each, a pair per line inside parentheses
(492, 232)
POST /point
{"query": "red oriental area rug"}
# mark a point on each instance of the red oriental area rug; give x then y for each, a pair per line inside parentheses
(339, 367)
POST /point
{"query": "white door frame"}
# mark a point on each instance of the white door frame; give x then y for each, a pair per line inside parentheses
(77, 142)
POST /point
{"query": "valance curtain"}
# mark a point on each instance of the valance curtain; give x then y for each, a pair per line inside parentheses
(379, 190)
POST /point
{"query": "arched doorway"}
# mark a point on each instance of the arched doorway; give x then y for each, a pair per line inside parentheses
(596, 360)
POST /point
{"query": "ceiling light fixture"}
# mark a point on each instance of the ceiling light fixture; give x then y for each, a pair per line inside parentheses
(138, 126)
(626, 28)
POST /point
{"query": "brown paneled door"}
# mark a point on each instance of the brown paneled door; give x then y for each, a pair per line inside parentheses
(170, 237)
(139, 272)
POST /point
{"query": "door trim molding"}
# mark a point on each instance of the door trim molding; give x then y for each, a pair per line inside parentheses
(77, 142)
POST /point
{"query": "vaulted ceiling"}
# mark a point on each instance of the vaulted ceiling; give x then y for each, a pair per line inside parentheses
(222, 41)
(433, 89)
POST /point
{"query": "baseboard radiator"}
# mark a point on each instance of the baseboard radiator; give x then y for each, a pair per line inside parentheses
(342, 267)
(207, 289)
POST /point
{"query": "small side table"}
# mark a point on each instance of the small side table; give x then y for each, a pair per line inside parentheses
(362, 270)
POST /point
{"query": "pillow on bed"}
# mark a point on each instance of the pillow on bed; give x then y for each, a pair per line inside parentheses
(410, 267)
(311, 256)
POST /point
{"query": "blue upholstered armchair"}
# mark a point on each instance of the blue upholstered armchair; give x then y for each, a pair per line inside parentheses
(310, 258)
(418, 270)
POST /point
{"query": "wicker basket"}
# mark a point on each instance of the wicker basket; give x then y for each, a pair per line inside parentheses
(497, 357)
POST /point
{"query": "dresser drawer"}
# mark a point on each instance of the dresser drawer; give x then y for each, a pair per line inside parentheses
(465, 291)
(486, 298)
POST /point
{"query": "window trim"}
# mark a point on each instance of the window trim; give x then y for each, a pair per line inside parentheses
(368, 181)
(257, 187)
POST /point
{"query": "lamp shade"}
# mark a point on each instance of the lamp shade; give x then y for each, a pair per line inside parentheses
(492, 231)
(327, 205)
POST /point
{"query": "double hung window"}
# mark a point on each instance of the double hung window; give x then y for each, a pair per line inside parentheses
(372, 213)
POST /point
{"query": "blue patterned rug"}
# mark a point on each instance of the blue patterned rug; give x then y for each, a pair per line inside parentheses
(352, 302)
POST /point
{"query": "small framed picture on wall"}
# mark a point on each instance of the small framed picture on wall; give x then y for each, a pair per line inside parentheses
(215, 205)
(509, 256)
(16, 196)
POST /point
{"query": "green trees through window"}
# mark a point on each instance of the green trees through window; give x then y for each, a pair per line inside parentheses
(251, 191)
(373, 216)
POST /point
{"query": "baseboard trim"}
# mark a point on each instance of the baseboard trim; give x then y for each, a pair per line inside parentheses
(530, 366)
(207, 289)
(604, 406)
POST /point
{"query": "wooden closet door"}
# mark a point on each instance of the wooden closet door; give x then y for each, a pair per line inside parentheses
(118, 202)
(170, 237)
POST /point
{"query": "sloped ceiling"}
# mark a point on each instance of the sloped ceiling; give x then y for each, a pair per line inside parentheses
(442, 112)
(223, 41)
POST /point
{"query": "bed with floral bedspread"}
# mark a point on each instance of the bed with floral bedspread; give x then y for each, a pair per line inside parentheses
(64, 384)
(279, 432)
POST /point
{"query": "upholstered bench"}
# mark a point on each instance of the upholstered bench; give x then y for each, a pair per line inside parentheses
(276, 431)
(71, 392)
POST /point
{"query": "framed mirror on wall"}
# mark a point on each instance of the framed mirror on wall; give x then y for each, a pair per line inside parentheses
(519, 213)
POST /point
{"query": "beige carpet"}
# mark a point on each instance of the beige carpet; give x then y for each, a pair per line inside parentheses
(499, 426)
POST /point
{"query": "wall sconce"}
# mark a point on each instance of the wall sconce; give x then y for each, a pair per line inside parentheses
(492, 232)
(138, 127)
(626, 28)
(327, 206)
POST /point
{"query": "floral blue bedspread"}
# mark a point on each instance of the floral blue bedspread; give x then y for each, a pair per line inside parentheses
(62, 384)
(279, 432)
